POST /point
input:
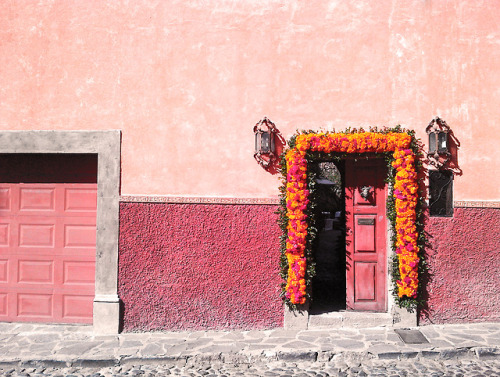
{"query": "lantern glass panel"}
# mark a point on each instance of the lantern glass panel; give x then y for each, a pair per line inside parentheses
(443, 142)
(432, 142)
(265, 143)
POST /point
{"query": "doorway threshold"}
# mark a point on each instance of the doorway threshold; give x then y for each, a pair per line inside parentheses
(349, 319)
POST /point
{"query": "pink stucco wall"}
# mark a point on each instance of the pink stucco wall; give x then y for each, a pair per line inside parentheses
(199, 266)
(186, 80)
(464, 266)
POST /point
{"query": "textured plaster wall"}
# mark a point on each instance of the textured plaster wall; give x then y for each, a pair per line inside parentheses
(464, 267)
(186, 80)
(193, 266)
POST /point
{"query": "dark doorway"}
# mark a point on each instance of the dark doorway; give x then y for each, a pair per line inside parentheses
(329, 284)
(48, 168)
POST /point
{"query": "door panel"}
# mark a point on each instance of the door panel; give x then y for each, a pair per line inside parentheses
(365, 278)
(364, 233)
(366, 265)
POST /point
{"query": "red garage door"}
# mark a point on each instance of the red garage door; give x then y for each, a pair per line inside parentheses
(47, 251)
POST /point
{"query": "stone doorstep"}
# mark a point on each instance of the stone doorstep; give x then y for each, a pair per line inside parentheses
(347, 319)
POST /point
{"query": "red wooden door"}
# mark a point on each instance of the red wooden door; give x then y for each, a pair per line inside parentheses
(366, 258)
(47, 251)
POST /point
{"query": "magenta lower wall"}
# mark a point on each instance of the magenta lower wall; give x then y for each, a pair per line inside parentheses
(199, 266)
(464, 267)
(215, 266)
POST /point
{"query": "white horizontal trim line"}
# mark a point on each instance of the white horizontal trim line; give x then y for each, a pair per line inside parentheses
(195, 200)
(476, 204)
(264, 201)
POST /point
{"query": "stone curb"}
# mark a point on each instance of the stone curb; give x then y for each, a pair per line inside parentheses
(481, 353)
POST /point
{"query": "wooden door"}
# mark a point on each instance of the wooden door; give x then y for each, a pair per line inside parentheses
(366, 258)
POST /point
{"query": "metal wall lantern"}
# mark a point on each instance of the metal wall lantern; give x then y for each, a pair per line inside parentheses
(439, 151)
(265, 146)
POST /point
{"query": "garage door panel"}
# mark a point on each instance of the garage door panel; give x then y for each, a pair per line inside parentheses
(77, 199)
(77, 307)
(35, 305)
(5, 198)
(38, 232)
(36, 272)
(37, 235)
(79, 235)
(37, 199)
(79, 272)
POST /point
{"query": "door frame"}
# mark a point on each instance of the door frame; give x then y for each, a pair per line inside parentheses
(394, 315)
(107, 146)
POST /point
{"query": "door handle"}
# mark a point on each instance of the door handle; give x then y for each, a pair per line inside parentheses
(365, 192)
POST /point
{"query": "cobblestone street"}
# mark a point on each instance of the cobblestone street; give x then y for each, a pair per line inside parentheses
(380, 368)
(55, 350)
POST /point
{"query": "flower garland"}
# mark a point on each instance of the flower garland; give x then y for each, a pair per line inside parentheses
(296, 199)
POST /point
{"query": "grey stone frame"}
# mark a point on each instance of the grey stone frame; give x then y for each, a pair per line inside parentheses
(106, 144)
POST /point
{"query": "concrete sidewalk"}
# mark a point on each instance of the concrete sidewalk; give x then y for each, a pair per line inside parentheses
(51, 345)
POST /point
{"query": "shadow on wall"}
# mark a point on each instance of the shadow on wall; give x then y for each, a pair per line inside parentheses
(280, 141)
(438, 229)
(454, 145)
